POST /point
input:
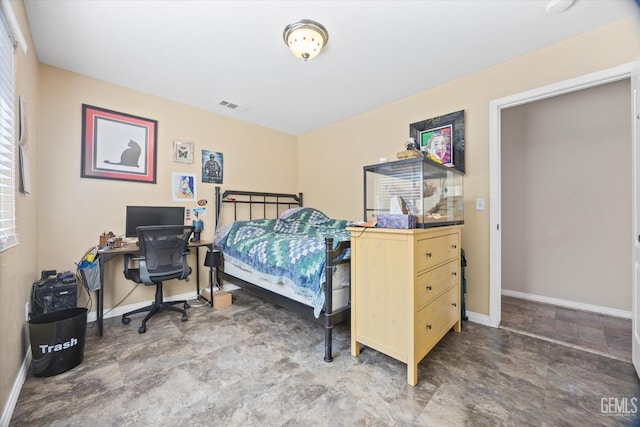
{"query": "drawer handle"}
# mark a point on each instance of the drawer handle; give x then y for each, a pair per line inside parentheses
(454, 304)
(429, 326)
(455, 273)
(454, 246)
(429, 254)
(429, 288)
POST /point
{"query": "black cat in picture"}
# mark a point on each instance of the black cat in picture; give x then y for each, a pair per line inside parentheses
(129, 156)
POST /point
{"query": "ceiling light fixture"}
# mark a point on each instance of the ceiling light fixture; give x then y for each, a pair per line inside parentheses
(556, 7)
(305, 38)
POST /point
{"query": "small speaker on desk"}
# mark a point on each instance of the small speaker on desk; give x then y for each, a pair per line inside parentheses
(198, 226)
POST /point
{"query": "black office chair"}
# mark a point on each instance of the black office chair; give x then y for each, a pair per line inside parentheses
(163, 256)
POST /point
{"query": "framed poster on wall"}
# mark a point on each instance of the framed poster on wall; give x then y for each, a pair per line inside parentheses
(118, 146)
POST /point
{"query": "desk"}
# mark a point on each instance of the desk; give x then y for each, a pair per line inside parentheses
(105, 254)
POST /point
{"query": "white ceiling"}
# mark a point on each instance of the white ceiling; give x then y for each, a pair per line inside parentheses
(202, 52)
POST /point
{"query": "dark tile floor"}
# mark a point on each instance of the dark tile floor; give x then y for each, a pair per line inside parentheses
(605, 335)
(253, 364)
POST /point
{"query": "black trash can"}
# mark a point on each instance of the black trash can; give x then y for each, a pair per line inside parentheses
(57, 341)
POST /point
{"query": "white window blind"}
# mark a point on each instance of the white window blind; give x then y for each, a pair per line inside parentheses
(8, 233)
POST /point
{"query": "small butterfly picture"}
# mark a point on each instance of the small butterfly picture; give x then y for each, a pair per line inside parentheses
(182, 151)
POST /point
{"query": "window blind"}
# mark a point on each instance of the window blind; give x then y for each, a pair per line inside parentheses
(8, 232)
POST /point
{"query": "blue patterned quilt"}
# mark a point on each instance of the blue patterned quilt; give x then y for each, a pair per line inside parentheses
(290, 248)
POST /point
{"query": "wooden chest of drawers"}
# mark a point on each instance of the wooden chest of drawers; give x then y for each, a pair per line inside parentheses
(405, 291)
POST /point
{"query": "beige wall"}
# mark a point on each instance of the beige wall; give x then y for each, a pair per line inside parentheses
(19, 265)
(566, 197)
(65, 214)
(79, 209)
(346, 146)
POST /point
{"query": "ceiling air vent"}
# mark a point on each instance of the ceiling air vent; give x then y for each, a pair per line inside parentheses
(232, 106)
(229, 104)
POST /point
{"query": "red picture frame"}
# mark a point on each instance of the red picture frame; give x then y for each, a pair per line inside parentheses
(118, 146)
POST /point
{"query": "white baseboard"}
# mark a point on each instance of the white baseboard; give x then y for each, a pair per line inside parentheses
(122, 309)
(7, 413)
(569, 304)
(482, 319)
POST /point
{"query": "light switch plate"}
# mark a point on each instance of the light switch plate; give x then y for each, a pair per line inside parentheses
(480, 204)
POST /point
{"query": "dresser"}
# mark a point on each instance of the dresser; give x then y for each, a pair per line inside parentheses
(405, 291)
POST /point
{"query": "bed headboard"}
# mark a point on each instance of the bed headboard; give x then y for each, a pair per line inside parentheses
(267, 204)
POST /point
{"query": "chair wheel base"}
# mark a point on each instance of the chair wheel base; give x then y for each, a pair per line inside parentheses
(158, 306)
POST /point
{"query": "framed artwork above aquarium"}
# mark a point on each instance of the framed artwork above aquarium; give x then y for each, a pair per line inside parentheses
(441, 139)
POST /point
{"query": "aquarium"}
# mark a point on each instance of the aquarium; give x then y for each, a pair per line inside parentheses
(430, 191)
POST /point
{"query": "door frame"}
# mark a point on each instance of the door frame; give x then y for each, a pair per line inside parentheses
(496, 106)
(635, 262)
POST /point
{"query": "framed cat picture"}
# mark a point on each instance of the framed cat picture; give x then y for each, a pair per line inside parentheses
(118, 146)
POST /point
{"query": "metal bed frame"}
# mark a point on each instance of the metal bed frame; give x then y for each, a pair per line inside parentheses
(328, 317)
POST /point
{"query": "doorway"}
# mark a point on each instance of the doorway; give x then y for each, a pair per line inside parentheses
(496, 110)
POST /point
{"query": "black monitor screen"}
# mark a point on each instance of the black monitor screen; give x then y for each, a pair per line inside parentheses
(152, 215)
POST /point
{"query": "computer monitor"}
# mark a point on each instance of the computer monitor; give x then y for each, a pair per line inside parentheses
(152, 215)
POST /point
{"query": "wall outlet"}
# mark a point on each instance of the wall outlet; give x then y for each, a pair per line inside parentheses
(26, 311)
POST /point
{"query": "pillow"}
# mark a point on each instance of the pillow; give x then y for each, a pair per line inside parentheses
(289, 212)
(220, 233)
(306, 215)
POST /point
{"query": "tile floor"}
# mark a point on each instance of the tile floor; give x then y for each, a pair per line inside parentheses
(253, 364)
(605, 335)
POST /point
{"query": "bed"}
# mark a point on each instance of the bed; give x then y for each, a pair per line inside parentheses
(288, 254)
